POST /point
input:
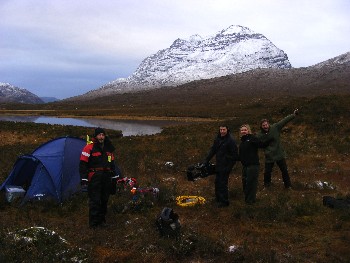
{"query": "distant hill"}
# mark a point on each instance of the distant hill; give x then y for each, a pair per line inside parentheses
(48, 99)
(10, 93)
(339, 60)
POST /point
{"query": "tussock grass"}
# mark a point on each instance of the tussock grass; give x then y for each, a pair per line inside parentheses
(283, 226)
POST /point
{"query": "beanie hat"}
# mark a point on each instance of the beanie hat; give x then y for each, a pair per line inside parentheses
(98, 131)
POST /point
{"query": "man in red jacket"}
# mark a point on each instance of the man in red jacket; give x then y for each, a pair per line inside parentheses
(98, 170)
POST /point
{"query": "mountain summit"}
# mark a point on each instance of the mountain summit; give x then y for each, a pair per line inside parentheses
(233, 50)
(10, 93)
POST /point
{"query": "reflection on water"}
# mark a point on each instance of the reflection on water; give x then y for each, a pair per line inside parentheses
(128, 127)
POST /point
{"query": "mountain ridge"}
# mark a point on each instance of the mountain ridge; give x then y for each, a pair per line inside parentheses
(327, 77)
(330, 78)
(10, 93)
(233, 50)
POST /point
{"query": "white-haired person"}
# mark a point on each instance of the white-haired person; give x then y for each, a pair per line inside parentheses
(248, 156)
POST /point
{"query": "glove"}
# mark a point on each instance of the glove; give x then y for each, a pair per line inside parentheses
(114, 179)
(84, 184)
(113, 189)
(84, 181)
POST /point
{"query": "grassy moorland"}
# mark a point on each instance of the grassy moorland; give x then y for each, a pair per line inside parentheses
(283, 226)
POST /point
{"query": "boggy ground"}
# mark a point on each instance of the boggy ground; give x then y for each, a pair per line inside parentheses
(283, 226)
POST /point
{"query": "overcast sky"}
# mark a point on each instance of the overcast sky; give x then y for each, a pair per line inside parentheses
(64, 48)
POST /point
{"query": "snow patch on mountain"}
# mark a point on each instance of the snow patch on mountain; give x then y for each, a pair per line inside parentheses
(338, 60)
(233, 50)
(10, 93)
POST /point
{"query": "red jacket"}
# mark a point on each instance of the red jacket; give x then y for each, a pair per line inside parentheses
(94, 159)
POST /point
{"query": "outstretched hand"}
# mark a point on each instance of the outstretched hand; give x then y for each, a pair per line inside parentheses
(84, 184)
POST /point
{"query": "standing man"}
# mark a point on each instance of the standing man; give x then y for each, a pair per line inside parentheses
(225, 149)
(98, 170)
(274, 152)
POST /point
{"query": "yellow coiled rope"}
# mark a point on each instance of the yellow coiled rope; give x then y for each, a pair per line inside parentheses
(189, 200)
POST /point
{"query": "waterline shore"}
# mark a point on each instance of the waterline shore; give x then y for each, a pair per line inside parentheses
(64, 114)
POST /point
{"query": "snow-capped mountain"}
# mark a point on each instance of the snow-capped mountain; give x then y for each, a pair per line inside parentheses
(10, 93)
(233, 50)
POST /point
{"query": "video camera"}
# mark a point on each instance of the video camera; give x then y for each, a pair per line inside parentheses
(200, 170)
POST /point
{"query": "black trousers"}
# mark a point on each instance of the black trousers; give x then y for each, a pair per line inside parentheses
(283, 168)
(221, 187)
(250, 176)
(99, 189)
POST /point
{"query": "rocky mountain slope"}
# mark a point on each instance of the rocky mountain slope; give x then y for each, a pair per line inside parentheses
(10, 93)
(343, 59)
(233, 50)
(325, 78)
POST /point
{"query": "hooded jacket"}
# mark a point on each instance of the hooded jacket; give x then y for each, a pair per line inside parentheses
(274, 151)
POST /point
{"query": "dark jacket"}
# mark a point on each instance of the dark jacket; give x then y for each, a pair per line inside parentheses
(248, 149)
(94, 159)
(274, 151)
(226, 151)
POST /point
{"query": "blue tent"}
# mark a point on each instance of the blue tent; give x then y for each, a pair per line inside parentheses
(51, 171)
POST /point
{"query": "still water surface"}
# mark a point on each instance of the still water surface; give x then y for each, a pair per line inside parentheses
(128, 127)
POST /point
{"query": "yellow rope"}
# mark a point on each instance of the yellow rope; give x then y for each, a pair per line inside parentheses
(189, 200)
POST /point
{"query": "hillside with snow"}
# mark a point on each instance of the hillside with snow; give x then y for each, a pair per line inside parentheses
(10, 93)
(233, 50)
(343, 59)
(331, 77)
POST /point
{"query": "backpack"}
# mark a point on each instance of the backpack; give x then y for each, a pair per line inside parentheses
(168, 223)
(200, 170)
(332, 202)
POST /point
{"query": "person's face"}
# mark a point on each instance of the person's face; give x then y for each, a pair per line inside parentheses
(223, 131)
(101, 137)
(244, 131)
(265, 126)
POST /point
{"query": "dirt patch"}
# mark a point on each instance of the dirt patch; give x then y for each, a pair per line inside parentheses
(11, 138)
